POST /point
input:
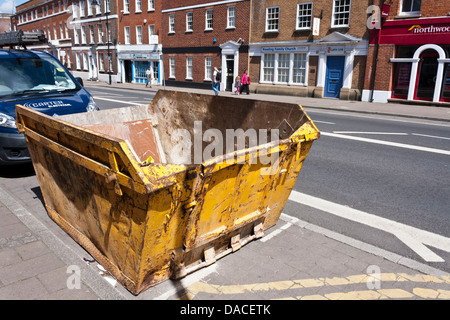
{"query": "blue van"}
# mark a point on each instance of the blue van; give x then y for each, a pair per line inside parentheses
(38, 81)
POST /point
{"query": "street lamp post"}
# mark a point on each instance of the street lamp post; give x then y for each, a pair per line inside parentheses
(109, 52)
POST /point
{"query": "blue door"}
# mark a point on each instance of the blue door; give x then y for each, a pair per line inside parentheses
(334, 76)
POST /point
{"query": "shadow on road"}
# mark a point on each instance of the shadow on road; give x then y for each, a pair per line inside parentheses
(17, 171)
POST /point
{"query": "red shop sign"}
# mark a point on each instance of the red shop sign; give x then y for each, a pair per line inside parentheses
(415, 31)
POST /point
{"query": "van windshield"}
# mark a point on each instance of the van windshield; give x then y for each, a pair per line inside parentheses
(33, 75)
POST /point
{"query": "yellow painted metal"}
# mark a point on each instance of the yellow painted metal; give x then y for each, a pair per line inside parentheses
(147, 221)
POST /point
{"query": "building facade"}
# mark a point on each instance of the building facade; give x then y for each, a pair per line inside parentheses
(309, 48)
(82, 34)
(139, 46)
(198, 36)
(410, 53)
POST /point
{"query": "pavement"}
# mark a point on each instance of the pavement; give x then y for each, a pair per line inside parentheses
(295, 260)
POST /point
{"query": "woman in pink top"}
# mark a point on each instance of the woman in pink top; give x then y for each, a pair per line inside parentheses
(245, 81)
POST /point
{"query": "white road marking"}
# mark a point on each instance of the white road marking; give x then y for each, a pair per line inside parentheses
(387, 143)
(414, 238)
(428, 136)
(325, 122)
(367, 132)
(118, 101)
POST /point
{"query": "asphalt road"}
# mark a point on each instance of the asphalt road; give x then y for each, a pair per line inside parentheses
(394, 173)
(405, 182)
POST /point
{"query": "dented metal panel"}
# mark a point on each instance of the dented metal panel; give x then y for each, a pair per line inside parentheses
(152, 193)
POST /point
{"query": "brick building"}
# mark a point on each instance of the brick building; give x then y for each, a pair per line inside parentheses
(81, 33)
(139, 45)
(409, 53)
(309, 48)
(200, 35)
(50, 17)
(5, 22)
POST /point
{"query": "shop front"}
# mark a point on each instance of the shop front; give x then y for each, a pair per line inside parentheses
(420, 60)
(133, 65)
(326, 68)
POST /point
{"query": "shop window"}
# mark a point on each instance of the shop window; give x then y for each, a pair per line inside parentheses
(269, 67)
(410, 7)
(445, 94)
(402, 74)
(299, 72)
(140, 67)
(283, 67)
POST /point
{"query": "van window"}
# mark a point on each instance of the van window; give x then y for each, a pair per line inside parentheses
(25, 75)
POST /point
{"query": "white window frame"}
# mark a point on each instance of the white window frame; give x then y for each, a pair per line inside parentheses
(208, 68)
(189, 67)
(275, 69)
(335, 13)
(151, 5)
(78, 60)
(138, 6)
(126, 6)
(209, 20)
(126, 33)
(83, 35)
(139, 35)
(231, 17)
(151, 32)
(268, 11)
(189, 21)
(301, 67)
(281, 69)
(301, 10)
(61, 30)
(171, 23)
(91, 34)
(85, 61)
(101, 61)
(100, 33)
(90, 12)
(76, 36)
(410, 11)
(81, 5)
(107, 6)
(172, 67)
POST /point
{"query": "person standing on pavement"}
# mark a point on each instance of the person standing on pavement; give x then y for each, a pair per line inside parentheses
(149, 76)
(217, 77)
(245, 81)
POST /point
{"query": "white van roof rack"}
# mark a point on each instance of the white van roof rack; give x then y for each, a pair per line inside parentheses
(21, 38)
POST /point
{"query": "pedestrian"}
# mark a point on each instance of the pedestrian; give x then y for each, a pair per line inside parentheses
(237, 85)
(217, 77)
(149, 76)
(245, 83)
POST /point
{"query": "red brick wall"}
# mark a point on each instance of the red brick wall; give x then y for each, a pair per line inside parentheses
(288, 14)
(144, 19)
(200, 42)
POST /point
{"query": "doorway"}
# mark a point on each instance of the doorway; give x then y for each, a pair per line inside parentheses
(426, 76)
(128, 71)
(230, 73)
(334, 76)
